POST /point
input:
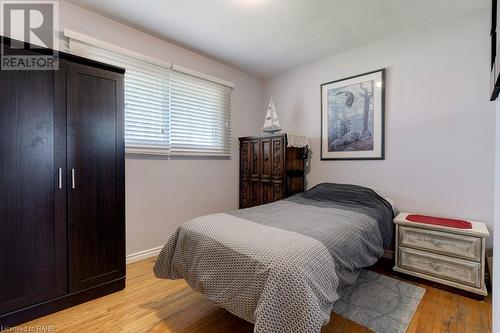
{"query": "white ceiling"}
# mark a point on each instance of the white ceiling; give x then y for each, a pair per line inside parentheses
(266, 37)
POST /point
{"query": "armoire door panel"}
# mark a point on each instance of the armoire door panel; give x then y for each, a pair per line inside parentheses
(245, 193)
(245, 159)
(278, 191)
(255, 158)
(267, 192)
(256, 191)
(32, 206)
(278, 157)
(95, 197)
(266, 163)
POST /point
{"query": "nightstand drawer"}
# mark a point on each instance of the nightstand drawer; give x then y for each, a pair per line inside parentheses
(451, 269)
(461, 246)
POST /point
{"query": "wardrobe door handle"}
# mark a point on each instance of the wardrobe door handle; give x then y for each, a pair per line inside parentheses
(73, 186)
(59, 178)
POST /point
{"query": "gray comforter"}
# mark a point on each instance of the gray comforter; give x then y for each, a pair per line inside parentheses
(281, 265)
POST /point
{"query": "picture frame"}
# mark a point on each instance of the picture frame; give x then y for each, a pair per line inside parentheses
(353, 117)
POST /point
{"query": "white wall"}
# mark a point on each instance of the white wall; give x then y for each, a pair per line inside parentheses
(440, 127)
(161, 193)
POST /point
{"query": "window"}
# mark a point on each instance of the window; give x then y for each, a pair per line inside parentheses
(146, 101)
(199, 116)
(169, 110)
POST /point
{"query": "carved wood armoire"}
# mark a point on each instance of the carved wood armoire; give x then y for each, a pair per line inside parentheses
(269, 170)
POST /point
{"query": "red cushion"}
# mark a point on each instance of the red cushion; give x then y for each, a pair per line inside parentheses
(439, 221)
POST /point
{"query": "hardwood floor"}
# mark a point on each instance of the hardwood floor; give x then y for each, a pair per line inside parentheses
(151, 305)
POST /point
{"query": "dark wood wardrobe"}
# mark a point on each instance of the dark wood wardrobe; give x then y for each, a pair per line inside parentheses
(62, 223)
(269, 170)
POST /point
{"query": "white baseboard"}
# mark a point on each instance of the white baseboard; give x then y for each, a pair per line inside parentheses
(141, 255)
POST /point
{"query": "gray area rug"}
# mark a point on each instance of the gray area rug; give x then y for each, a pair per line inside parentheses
(380, 303)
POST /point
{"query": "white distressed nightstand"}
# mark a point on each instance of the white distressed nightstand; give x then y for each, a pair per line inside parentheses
(451, 256)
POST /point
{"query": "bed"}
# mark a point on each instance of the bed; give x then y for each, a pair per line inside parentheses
(281, 265)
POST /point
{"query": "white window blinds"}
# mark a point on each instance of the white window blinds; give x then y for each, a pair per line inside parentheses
(200, 119)
(146, 101)
(171, 111)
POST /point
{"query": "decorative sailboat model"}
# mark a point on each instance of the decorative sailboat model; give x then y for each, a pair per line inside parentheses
(271, 124)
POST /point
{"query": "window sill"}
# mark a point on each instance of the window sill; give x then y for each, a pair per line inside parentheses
(147, 151)
(174, 155)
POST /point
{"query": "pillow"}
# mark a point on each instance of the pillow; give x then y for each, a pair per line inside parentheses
(394, 209)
